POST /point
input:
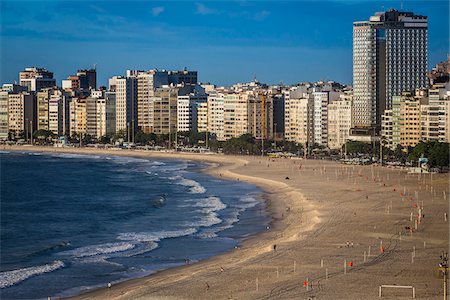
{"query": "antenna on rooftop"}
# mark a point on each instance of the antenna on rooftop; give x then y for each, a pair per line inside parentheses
(95, 66)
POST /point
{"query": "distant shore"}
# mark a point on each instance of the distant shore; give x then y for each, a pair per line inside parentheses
(325, 214)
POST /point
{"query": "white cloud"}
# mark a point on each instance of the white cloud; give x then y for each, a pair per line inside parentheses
(156, 11)
(201, 9)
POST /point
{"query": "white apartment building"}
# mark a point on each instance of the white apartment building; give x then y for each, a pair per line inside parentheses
(300, 122)
(216, 115)
(78, 116)
(3, 114)
(187, 109)
(202, 117)
(58, 113)
(339, 121)
(235, 115)
(126, 102)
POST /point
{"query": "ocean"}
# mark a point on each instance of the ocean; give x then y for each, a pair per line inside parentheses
(72, 223)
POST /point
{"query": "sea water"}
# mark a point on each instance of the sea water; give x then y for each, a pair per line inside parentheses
(72, 223)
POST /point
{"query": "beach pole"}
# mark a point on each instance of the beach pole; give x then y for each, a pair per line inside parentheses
(257, 284)
(412, 258)
(424, 244)
(369, 252)
(307, 284)
(278, 274)
(415, 224)
(326, 273)
(414, 251)
(294, 265)
(400, 235)
(410, 218)
(321, 263)
(345, 266)
(364, 256)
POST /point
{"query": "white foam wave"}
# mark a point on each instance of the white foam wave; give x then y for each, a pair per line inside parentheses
(94, 250)
(154, 236)
(9, 278)
(247, 201)
(195, 187)
(4, 152)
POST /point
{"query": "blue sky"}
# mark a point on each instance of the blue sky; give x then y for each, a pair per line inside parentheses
(225, 41)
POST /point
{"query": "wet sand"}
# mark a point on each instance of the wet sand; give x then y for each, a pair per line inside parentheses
(324, 216)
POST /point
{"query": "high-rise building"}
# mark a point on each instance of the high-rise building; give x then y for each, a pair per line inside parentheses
(36, 79)
(126, 103)
(185, 76)
(146, 86)
(43, 98)
(390, 56)
(300, 121)
(215, 115)
(187, 109)
(58, 113)
(78, 116)
(3, 114)
(22, 114)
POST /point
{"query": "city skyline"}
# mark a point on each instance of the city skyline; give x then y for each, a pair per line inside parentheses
(228, 41)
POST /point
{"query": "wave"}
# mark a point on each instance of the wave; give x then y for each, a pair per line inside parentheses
(154, 236)
(247, 201)
(195, 187)
(4, 152)
(94, 250)
(13, 277)
(209, 206)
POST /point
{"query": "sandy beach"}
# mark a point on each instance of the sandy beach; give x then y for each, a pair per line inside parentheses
(338, 232)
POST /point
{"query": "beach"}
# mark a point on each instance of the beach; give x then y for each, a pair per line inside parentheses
(338, 232)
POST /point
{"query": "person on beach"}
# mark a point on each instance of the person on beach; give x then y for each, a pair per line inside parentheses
(274, 247)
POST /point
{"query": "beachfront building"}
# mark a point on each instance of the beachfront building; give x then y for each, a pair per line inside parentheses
(339, 120)
(322, 98)
(58, 113)
(403, 124)
(147, 82)
(297, 92)
(410, 127)
(278, 115)
(215, 116)
(260, 114)
(434, 115)
(78, 116)
(235, 115)
(3, 115)
(21, 114)
(43, 99)
(101, 119)
(390, 56)
(125, 89)
(35, 79)
(202, 117)
(300, 121)
(188, 110)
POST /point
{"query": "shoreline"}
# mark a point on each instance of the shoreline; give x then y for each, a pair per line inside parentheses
(317, 213)
(215, 165)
